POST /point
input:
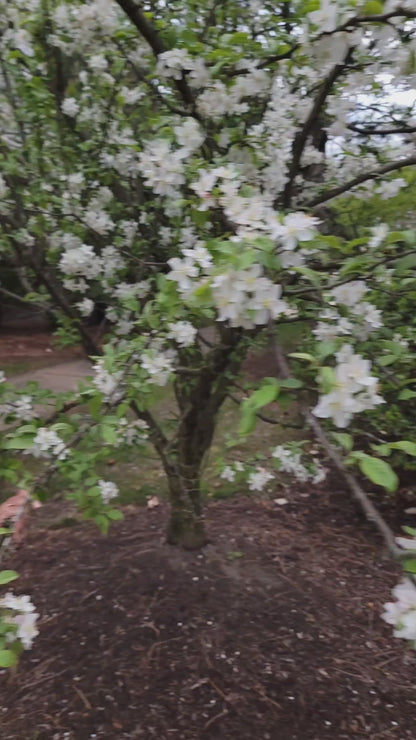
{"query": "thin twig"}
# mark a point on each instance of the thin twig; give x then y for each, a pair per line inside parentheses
(359, 494)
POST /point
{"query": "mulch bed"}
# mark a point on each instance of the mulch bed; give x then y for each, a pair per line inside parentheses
(273, 631)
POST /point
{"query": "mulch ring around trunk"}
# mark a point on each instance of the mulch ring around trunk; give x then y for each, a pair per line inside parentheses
(273, 631)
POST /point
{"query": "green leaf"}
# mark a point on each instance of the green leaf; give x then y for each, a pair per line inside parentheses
(302, 356)
(387, 360)
(4, 530)
(327, 379)
(7, 659)
(94, 405)
(325, 349)
(102, 522)
(373, 7)
(344, 440)
(291, 383)
(312, 275)
(405, 263)
(263, 396)
(109, 434)
(383, 449)
(115, 515)
(18, 443)
(409, 566)
(405, 394)
(6, 576)
(408, 447)
(379, 472)
(248, 421)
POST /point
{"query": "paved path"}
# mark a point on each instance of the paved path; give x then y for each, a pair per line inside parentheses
(57, 378)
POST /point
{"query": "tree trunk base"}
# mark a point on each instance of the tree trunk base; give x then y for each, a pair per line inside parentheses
(186, 531)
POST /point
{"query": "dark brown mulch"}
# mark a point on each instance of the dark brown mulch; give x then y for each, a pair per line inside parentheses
(273, 631)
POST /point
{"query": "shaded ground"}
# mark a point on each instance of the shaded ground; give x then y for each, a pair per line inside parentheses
(24, 349)
(273, 631)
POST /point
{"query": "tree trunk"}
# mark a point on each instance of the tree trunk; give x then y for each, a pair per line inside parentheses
(186, 525)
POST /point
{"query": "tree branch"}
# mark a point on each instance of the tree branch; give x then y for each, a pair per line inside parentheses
(381, 132)
(146, 30)
(302, 135)
(391, 167)
(359, 494)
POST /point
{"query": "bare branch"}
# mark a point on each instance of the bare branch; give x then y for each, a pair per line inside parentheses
(359, 494)
(374, 131)
(330, 194)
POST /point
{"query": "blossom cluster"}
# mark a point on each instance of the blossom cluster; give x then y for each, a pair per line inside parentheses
(354, 391)
(363, 317)
(257, 478)
(131, 432)
(289, 461)
(20, 407)
(108, 490)
(241, 297)
(183, 333)
(401, 613)
(48, 444)
(158, 364)
(107, 383)
(230, 472)
(19, 616)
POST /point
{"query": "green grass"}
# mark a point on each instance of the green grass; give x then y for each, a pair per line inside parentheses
(19, 366)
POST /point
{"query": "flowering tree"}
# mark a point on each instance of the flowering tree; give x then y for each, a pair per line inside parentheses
(175, 162)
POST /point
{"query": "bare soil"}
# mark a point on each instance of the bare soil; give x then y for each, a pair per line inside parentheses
(273, 631)
(32, 348)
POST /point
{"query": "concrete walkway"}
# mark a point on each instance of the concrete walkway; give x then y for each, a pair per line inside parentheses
(57, 378)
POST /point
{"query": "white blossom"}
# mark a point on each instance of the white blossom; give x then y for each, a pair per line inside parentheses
(199, 254)
(131, 95)
(70, 107)
(158, 365)
(325, 17)
(107, 383)
(132, 431)
(258, 479)
(295, 227)
(26, 628)
(390, 188)
(81, 261)
(402, 612)
(172, 63)
(378, 234)
(85, 306)
(183, 333)
(108, 491)
(23, 408)
(17, 603)
(130, 290)
(98, 221)
(23, 623)
(182, 272)
(189, 135)
(349, 294)
(47, 443)
(355, 389)
(228, 474)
